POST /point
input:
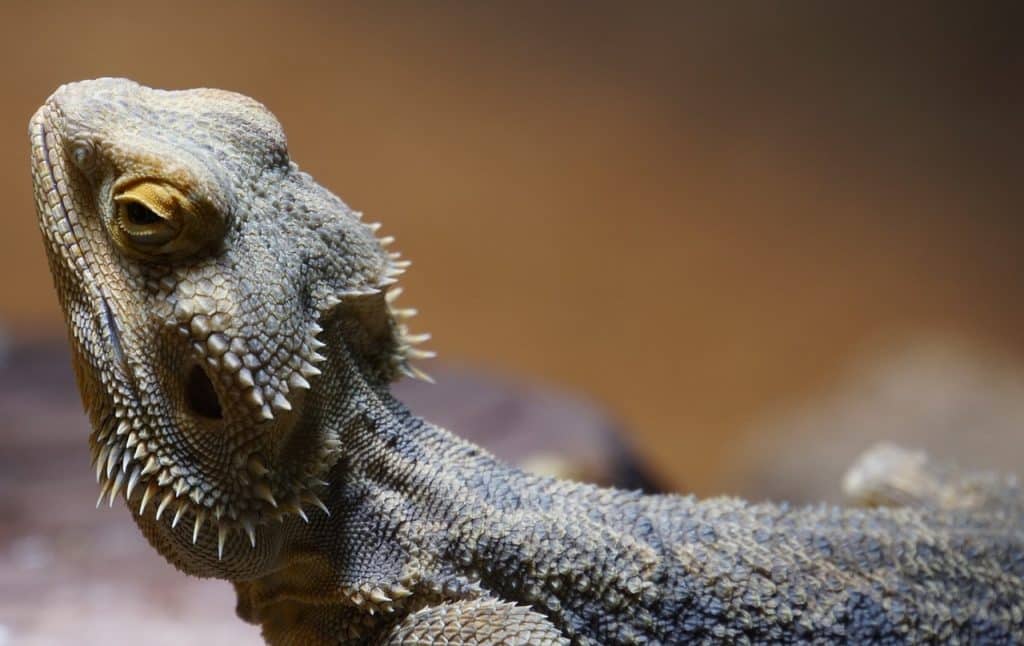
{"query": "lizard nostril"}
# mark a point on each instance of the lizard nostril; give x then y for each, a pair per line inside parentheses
(200, 394)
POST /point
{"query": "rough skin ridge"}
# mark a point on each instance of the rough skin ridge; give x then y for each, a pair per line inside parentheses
(235, 333)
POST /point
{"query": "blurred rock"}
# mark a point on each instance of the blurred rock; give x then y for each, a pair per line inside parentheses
(956, 403)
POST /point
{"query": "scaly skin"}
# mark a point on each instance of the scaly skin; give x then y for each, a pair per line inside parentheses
(234, 337)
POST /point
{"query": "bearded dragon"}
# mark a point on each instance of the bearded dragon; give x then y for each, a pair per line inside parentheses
(235, 331)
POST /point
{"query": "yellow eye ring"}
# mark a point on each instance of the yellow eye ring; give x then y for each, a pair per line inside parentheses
(154, 218)
(143, 225)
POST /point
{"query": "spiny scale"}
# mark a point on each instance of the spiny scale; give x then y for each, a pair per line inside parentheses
(200, 519)
(168, 497)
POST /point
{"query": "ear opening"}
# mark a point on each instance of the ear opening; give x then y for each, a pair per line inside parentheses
(200, 395)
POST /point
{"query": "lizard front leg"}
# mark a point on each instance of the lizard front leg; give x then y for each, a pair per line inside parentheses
(476, 622)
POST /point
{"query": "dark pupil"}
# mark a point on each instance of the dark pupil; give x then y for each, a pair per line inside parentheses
(139, 214)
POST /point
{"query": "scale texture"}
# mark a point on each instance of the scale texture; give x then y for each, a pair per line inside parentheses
(235, 330)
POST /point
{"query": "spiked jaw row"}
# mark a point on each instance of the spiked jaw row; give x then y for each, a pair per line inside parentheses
(156, 486)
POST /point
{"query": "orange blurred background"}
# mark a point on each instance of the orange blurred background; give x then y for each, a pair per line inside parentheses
(698, 214)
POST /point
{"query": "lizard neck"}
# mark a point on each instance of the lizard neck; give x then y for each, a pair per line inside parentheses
(417, 517)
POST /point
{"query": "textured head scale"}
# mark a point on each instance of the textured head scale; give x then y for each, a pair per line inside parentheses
(197, 267)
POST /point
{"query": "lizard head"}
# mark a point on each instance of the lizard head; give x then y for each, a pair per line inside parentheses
(197, 269)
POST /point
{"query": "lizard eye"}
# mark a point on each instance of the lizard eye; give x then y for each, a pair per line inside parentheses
(143, 226)
(156, 219)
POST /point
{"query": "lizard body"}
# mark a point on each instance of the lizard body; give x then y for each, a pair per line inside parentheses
(234, 333)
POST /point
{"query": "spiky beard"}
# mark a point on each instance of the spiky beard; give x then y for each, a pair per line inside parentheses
(130, 458)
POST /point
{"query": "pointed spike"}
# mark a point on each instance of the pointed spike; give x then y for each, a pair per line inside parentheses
(133, 480)
(168, 497)
(255, 466)
(140, 451)
(315, 328)
(308, 370)
(413, 353)
(386, 241)
(164, 478)
(316, 344)
(133, 439)
(200, 519)
(377, 595)
(254, 396)
(250, 530)
(245, 379)
(126, 460)
(182, 508)
(392, 295)
(146, 496)
(152, 466)
(296, 380)
(196, 495)
(302, 514)
(222, 535)
(422, 376)
(112, 458)
(399, 591)
(263, 492)
(266, 413)
(123, 427)
(116, 489)
(416, 339)
(180, 487)
(103, 492)
(315, 500)
(281, 402)
(101, 461)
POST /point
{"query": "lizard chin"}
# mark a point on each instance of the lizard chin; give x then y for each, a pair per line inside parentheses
(153, 446)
